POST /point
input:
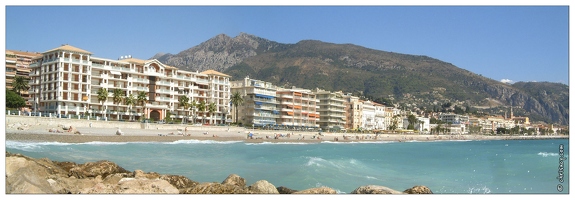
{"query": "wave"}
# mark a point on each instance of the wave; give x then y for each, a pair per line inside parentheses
(546, 154)
(279, 143)
(359, 142)
(479, 190)
(35, 146)
(202, 142)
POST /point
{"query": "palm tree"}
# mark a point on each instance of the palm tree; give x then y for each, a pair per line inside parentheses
(142, 99)
(212, 109)
(130, 101)
(102, 97)
(118, 97)
(202, 109)
(184, 103)
(237, 100)
(20, 84)
(193, 106)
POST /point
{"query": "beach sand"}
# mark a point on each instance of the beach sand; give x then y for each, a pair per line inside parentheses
(170, 133)
(20, 128)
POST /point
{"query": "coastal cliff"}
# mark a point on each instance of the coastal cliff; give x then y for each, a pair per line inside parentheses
(25, 175)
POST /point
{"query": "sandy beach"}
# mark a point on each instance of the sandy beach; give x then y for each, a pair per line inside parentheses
(26, 129)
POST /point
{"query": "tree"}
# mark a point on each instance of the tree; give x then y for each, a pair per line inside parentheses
(212, 109)
(202, 109)
(193, 106)
(118, 96)
(184, 102)
(14, 100)
(411, 119)
(393, 124)
(19, 84)
(130, 101)
(102, 97)
(237, 100)
(142, 99)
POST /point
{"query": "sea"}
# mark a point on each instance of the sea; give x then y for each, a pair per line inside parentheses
(446, 167)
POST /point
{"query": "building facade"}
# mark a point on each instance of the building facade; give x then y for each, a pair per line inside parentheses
(331, 110)
(18, 64)
(66, 80)
(298, 108)
(260, 105)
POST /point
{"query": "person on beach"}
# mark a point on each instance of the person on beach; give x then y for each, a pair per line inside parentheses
(70, 129)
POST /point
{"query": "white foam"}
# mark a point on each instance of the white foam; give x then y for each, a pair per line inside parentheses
(314, 161)
(202, 142)
(546, 154)
(279, 143)
(480, 190)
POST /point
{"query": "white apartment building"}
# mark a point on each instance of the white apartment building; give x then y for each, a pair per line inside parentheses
(66, 80)
(331, 109)
(422, 124)
(379, 116)
(368, 115)
(260, 106)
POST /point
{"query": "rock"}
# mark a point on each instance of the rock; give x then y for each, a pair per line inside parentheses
(180, 182)
(145, 186)
(263, 187)
(93, 169)
(419, 189)
(216, 188)
(236, 180)
(374, 189)
(320, 190)
(26, 177)
(285, 190)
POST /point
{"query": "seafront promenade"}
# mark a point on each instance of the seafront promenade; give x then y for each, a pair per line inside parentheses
(29, 128)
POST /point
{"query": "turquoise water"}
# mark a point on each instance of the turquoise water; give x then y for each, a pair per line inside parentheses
(448, 167)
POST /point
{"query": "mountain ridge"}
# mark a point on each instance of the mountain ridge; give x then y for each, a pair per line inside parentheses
(414, 80)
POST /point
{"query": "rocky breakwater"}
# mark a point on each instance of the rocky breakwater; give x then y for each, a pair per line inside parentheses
(25, 175)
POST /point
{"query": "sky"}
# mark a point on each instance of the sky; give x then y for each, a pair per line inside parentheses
(504, 43)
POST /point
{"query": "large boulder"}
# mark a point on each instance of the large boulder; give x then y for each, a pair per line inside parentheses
(419, 189)
(374, 189)
(319, 190)
(180, 182)
(234, 179)
(215, 188)
(285, 190)
(93, 169)
(263, 187)
(26, 177)
(146, 186)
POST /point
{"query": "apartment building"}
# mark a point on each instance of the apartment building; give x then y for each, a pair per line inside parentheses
(260, 106)
(352, 111)
(368, 115)
(298, 108)
(18, 64)
(379, 116)
(331, 110)
(66, 80)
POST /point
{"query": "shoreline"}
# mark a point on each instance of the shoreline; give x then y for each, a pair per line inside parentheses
(102, 135)
(42, 130)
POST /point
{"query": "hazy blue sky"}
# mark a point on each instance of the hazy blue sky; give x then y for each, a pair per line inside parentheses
(518, 43)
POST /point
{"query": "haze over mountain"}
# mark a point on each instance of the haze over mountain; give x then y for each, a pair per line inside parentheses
(411, 81)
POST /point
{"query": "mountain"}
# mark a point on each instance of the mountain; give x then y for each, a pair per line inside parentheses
(219, 52)
(412, 81)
